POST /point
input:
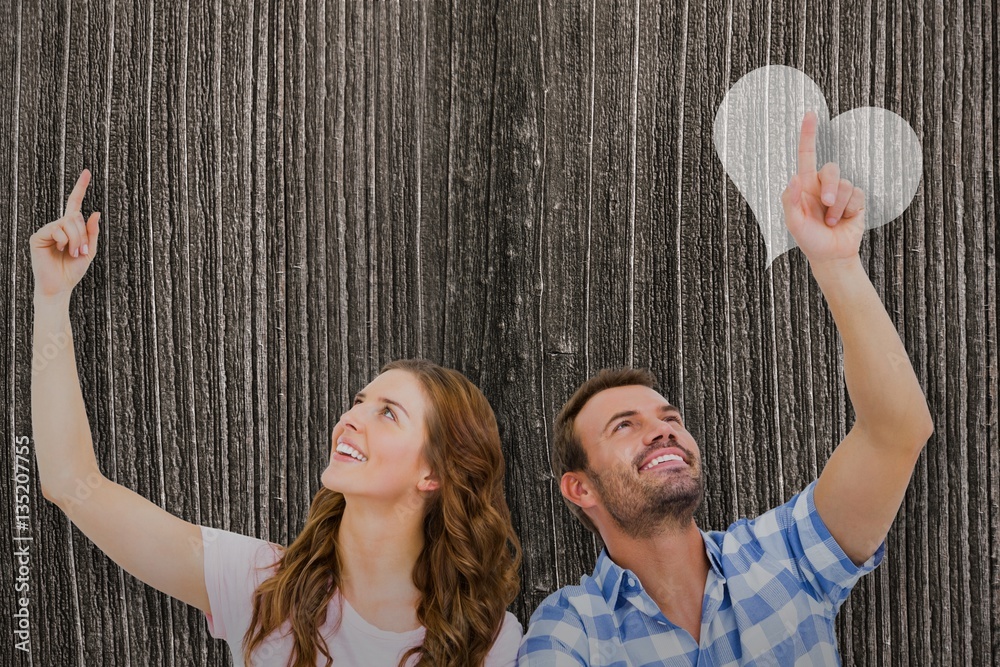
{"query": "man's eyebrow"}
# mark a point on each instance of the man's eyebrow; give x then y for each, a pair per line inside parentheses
(617, 416)
(360, 396)
(666, 407)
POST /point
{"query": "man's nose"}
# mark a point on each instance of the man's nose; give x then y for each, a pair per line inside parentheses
(659, 431)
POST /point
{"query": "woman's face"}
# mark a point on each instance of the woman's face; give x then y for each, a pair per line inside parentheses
(377, 446)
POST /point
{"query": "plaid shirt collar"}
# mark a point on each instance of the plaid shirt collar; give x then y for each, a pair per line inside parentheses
(612, 579)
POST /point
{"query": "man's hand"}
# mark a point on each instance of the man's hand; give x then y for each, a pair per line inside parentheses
(824, 212)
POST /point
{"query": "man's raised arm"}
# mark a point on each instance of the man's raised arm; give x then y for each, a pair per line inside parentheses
(862, 486)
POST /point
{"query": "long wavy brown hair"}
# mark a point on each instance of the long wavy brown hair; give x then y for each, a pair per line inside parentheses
(467, 570)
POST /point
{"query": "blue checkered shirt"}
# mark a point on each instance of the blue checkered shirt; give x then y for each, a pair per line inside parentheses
(771, 596)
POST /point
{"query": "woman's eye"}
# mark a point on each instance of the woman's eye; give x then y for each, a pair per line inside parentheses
(387, 411)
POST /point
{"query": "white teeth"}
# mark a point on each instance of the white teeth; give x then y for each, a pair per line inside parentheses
(661, 459)
(347, 450)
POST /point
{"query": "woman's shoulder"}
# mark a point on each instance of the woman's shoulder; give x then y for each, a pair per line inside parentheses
(235, 565)
(504, 651)
(230, 550)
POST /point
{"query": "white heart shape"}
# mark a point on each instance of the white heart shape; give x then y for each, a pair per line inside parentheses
(756, 134)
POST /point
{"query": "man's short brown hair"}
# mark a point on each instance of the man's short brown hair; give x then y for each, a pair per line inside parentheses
(568, 454)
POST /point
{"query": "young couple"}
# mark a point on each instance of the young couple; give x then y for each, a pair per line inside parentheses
(408, 555)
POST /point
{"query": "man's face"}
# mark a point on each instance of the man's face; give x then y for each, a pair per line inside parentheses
(645, 467)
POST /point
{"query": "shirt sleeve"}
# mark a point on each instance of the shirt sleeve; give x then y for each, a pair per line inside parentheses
(555, 638)
(795, 534)
(504, 650)
(233, 570)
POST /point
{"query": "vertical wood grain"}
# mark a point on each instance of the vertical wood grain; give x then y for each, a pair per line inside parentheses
(295, 193)
(566, 47)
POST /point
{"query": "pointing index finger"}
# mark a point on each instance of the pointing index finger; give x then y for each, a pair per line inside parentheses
(807, 146)
(75, 200)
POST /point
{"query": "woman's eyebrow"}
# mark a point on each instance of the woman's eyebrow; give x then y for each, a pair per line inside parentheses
(360, 396)
(396, 403)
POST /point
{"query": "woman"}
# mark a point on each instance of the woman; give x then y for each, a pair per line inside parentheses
(407, 556)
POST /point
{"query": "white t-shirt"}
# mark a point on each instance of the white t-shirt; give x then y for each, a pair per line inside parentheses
(231, 576)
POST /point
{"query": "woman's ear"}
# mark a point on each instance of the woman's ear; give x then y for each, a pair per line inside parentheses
(429, 482)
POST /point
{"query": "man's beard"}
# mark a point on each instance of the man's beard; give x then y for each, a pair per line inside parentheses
(642, 505)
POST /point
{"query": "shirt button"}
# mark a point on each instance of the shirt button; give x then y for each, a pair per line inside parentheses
(631, 581)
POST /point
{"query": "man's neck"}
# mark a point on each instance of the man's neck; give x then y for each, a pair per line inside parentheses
(672, 567)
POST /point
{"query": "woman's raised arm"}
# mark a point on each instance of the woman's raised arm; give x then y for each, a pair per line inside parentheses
(151, 544)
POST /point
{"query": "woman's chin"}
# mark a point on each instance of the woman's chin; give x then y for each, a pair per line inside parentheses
(334, 481)
(344, 483)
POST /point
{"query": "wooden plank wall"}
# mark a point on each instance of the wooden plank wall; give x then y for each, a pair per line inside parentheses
(295, 193)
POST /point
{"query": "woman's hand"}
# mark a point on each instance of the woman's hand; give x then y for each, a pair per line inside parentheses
(61, 251)
(824, 212)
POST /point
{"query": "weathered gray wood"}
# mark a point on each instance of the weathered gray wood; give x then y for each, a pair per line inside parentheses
(296, 193)
(567, 46)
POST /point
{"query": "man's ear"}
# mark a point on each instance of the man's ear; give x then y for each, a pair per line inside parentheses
(576, 488)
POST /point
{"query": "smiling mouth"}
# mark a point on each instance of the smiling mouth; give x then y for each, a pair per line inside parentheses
(347, 450)
(661, 460)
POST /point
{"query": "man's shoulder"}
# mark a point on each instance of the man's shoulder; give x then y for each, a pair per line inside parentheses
(790, 537)
(780, 518)
(774, 535)
(563, 624)
(570, 603)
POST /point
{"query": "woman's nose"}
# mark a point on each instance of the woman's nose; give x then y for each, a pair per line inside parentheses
(351, 420)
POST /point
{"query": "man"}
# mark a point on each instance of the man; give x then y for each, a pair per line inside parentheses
(766, 591)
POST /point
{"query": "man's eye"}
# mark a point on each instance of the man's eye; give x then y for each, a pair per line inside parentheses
(619, 425)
